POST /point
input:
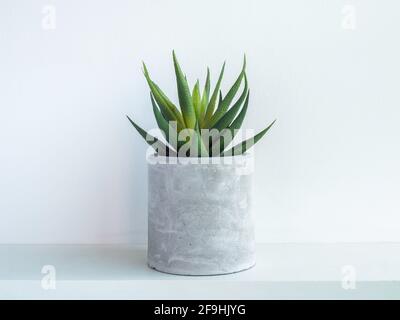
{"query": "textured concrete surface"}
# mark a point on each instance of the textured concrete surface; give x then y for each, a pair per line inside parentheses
(200, 218)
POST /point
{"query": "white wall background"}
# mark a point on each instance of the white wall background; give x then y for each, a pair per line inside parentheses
(72, 170)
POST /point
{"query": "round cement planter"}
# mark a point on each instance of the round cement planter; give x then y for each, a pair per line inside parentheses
(200, 215)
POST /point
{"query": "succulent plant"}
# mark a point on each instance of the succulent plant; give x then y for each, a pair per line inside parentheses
(205, 123)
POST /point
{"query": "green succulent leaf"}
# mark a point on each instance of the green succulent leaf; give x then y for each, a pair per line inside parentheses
(196, 99)
(156, 144)
(201, 147)
(247, 144)
(169, 132)
(225, 103)
(199, 110)
(228, 117)
(235, 125)
(168, 109)
(213, 99)
(204, 99)
(185, 99)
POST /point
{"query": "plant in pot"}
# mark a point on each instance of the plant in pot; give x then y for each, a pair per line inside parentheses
(199, 194)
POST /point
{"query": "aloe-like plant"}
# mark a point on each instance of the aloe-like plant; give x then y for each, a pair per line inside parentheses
(205, 123)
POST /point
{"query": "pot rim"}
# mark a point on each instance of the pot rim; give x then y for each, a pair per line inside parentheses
(155, 158)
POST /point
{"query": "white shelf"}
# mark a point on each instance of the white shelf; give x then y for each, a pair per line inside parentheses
(120, 272)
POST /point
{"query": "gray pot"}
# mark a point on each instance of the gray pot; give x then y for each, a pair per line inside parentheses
(199, 219)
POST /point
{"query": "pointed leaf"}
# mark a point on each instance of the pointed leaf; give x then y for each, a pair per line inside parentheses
(171, 106)
(202, 150)
(155, 143)
(213, 99)
(168, 109)
(235, 125)
(166, 128)
(185, 99)
(205, 97)
(196, 99)
(223, 107)
(247, 144)
(228, 117)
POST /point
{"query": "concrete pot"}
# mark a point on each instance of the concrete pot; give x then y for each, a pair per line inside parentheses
(199, 220)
